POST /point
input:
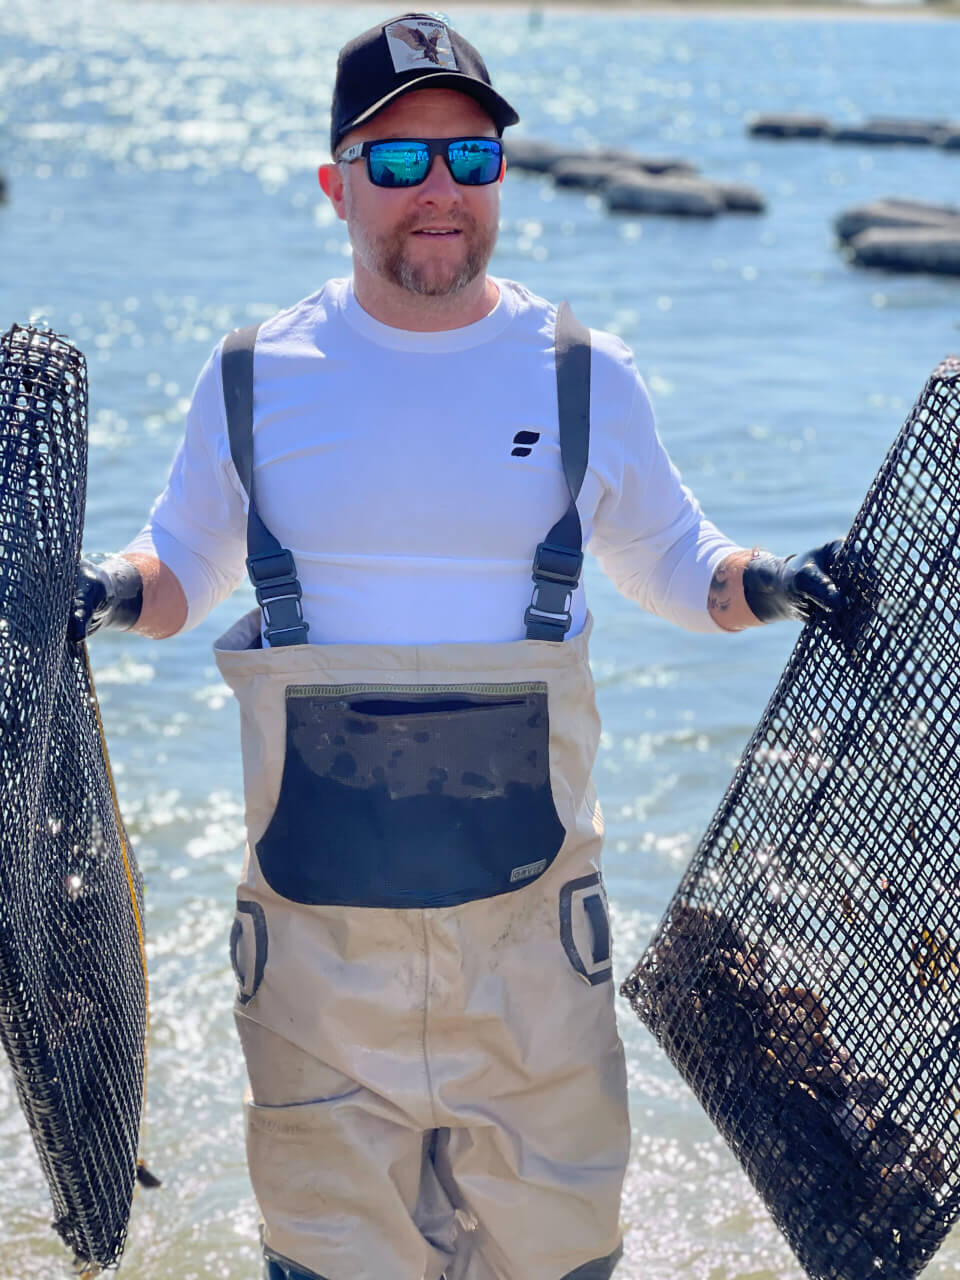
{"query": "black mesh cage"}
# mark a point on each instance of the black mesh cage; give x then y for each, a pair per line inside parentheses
(72, 973)
(804, 979)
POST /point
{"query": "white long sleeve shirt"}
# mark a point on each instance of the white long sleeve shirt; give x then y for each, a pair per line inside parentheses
(413, 474)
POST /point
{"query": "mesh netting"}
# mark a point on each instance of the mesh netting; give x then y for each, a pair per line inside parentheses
(804, 979)
(72, 979)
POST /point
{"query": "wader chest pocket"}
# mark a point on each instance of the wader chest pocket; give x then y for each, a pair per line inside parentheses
(412, 795)
(585, 928)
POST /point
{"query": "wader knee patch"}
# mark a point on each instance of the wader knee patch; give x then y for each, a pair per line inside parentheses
(248, 949)
(585, 929)
(598, 1269)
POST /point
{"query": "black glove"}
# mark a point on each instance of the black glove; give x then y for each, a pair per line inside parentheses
(109, 594)
(796, 587)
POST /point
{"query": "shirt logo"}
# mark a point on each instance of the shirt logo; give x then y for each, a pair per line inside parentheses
(420, 42)
(523, 443)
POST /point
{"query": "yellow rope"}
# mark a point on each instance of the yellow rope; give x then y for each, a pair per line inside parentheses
(126, 866)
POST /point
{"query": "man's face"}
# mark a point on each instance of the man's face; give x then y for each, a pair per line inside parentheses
(432, 239)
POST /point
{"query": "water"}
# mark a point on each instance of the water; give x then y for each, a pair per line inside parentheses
(161, 161)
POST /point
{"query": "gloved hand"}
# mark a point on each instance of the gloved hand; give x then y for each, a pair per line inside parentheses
(109, 594)
(796, 587)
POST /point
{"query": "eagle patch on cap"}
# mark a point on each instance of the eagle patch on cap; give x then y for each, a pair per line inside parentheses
(416, 43)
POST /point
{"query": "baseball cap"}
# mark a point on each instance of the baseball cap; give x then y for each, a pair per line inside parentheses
(414, 51)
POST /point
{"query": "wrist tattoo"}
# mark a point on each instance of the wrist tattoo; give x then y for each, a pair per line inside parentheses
(718, 595)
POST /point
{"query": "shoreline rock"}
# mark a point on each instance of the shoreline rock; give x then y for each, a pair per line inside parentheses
(875, 131)
(740, 198)
(902, 235)
(893, 212)
(883, 132)
(535, 156)
(688, 197)
(789, 126)
(585, 174)
(635, 183)
(643, 193)
(935, 249)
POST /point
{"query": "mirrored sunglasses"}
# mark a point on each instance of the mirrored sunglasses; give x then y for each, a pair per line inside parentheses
(405, 162)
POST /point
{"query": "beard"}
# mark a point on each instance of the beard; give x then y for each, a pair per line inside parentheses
(387, 256)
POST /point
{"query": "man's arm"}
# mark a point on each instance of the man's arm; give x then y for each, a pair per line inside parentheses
(164, 609)
(191, 553)
(652, 539)
(725, 599)
(130, 592)
(749, 588)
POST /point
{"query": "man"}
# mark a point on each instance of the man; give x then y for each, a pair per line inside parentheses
(422, 946)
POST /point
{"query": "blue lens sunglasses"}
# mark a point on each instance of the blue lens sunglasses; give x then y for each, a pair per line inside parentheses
(405, 162)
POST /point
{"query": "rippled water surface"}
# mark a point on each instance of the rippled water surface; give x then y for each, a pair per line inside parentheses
(161, 169)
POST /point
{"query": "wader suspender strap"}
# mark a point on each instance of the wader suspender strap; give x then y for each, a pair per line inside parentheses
(559, 558)
(270, 566)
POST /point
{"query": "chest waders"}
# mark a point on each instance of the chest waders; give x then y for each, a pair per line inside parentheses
(422, 948)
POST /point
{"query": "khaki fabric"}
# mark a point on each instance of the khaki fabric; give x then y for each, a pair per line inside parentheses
(441, 1090)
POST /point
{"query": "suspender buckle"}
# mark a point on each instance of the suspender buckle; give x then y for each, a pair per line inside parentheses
(269, 566)
(556, 573)
(557, 564)
(278, 592)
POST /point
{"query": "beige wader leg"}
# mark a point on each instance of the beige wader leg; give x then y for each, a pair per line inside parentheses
(349, 1190)
(339, 1173)
(457, 1102)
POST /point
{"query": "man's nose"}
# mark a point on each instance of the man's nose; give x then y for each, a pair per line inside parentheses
(439, 183)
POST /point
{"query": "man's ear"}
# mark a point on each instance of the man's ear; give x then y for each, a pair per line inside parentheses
(331, 181)
(503, 168)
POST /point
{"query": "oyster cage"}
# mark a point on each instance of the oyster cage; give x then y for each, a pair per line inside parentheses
(804, 978)
(72, 973)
